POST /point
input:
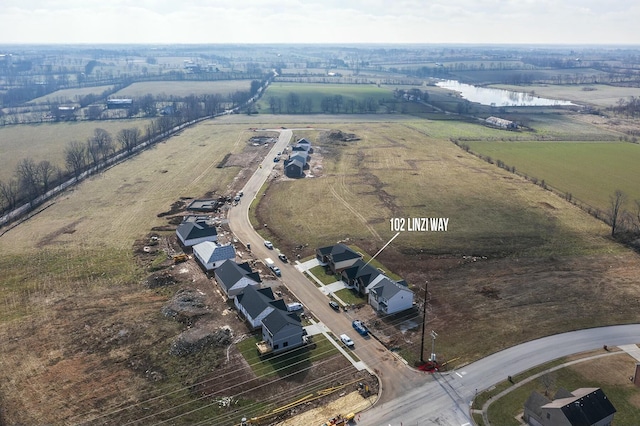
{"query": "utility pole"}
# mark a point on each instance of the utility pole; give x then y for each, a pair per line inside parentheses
(424, 319)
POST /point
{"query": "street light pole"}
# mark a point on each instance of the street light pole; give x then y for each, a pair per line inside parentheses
(433, 345)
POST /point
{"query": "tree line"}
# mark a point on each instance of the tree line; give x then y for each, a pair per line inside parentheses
(294, 103)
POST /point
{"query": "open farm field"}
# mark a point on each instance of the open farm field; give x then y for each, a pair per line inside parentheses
(590, 171)
(516, 262)
(182, 88)
(599, 95)
(71, 95)
(47, 141)
(357, 92)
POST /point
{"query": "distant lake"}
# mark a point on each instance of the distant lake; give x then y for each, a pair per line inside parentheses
(498, 97)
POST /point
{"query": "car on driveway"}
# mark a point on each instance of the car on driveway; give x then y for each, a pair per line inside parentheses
(268, 245)
(346, 340)
(334, 305)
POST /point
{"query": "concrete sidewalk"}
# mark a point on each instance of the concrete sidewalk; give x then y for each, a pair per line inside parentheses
(320, 328)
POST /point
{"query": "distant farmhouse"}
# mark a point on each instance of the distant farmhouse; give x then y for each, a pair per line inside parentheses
(501, 123)
(119, 103)
(582, 407)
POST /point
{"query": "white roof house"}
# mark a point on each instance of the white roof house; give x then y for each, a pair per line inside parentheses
(211, 255)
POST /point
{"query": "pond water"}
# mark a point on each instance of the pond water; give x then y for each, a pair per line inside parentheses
(498, 97)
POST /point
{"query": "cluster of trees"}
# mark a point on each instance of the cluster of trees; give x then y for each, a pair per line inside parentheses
(294, 103)
(629, 107)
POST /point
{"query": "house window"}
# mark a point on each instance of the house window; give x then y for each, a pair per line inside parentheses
(275, 347)
(285, 344)
(548, 416)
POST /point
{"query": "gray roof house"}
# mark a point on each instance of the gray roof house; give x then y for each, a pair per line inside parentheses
(582, 407)
(211, 255)
(281, 331)
(256, 303)
(294, 168)
(360, 276)
(191, 233)
(234, 278)
(389, 297)
(337, 257)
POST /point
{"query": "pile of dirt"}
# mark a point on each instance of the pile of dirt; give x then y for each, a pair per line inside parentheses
(339, 135)
(186, 306)
(160, 279)
(197, 338)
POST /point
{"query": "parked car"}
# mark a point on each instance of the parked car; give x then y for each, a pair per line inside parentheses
(346, 340)
(360, 327)
(294, 306)
(282, 257)
(268, 244)
(334, 306)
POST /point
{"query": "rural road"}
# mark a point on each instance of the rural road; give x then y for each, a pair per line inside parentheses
(410, 397)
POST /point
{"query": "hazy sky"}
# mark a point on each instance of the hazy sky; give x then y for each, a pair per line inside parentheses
(315, 21)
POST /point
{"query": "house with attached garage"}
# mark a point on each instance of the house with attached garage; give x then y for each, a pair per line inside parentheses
(337, 257)
(360, 276)
(389, 297)
(254, 304)
(582, 407)
(193, 231)
(211, 255)
(281, 331)
(233, 278)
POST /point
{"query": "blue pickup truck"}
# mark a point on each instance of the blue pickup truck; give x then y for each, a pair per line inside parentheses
(360, 327)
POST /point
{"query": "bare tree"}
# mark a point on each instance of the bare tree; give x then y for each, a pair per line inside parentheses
(45, 172)
(616, 202)
(548, 380)
(27, 174)
(9, 193)
(75, 157)
(128, 138)
(103, 141)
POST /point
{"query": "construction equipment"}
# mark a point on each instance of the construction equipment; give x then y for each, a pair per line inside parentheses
(179, 258)
(340, 420)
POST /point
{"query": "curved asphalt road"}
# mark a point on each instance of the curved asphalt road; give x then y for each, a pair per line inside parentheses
(410, 397)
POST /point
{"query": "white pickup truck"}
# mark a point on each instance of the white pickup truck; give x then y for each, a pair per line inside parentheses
(271, 264)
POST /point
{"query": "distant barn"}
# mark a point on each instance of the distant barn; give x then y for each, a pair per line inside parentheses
(501, 122)
(119, 103)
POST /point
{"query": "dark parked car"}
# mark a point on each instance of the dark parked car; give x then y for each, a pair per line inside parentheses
(334, 305)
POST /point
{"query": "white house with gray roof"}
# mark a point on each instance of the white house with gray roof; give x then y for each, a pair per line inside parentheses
(389, 297)
(256, 303)
(192, 232)
(211, 255)
(233, 278)
(281, 331)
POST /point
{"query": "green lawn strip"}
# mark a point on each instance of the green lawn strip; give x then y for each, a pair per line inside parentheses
(287, 363)
(320, 273)
(348, 296)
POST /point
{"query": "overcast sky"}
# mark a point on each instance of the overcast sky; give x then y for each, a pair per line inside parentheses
(315, 21)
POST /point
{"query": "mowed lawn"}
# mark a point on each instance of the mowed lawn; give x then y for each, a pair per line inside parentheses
(590, 171)
(318, 91)
(47, 141)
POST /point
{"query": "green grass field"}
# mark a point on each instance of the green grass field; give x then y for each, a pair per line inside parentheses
(71, 95)
(357, 92)
(590, 171)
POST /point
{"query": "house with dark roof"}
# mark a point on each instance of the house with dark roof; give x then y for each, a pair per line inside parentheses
(360, 276)
(389, 297)
(211, 255)
(256, 303)
(233, 278)
(192, 232)
(281, 331)
(294, 168)
(337, 257)
(582, 407)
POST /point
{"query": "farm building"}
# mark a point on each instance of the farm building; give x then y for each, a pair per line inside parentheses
(119, 103)
(337, 257)
(281, 331)
(192, 232)
(211, 255)
(584, 406)
(233, 278)
(256, 303)
(389, 297)
(501, 122)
